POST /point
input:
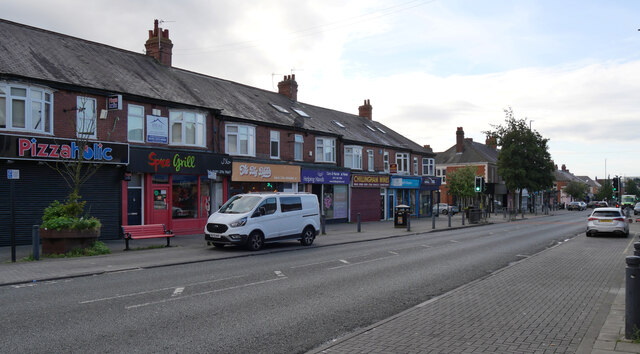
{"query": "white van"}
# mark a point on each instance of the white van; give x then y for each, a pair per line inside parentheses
(255, 218)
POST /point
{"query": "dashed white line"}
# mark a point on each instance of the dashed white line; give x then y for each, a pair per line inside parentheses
(177, 292)
(279, 273)
(454, 241)
(367, 261)
(392, 252)
(344, 261)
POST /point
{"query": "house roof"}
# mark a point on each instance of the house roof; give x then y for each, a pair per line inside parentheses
(472, 152)
(566, 176)
(589, 181)
(31, 53)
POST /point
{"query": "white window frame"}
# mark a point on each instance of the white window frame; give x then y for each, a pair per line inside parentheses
(86, 117)
(131, 117)
(385, 162)
(370, 160)
(42, 105)
(353, 157)
(402, 160)
(325, 150)
(185, 119)
(415, 166)
(274, 137)
(298, 147)
(427, 166)
(242, 133)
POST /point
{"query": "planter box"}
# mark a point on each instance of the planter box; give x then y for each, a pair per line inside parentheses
(63, 241)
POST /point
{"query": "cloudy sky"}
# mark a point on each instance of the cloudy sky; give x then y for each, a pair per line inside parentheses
(571, 68)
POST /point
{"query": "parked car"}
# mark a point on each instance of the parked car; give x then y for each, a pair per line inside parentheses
(444, 208)
(636, 209)
(583, 205)
(576, 206)
(602, 204)
(257, 218)
(607, 220)
(592, 204)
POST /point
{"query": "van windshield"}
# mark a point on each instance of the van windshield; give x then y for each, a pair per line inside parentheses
(240, 204)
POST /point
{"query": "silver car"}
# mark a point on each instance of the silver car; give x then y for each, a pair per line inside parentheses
(636, 209)
(607, 220)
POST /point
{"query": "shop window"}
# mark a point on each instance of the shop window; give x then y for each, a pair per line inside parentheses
(335, 201)
(275, 144)
(325, 150)
(26, 108)
(240, 140)
(159, 178)
(353, 157)
(298, 147)
(135, 123)
(290, 204)
(187, 128)
(184, 194)
(86, 117)
(205, 197)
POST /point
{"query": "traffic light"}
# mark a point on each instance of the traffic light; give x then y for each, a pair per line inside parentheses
(478, 184)
(616, 183)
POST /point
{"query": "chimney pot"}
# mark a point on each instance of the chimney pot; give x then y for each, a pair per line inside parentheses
(159, 45)
(289, 87)
(366, 111)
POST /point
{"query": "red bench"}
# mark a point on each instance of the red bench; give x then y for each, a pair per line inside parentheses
(136, 232)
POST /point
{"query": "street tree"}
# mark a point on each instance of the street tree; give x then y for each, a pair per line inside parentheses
(606, 191)
(460, 182)
(631, 187)
(524, 160)
(576, 190)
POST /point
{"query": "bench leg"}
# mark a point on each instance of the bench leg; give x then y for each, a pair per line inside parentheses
(168, 241)
(126, 242)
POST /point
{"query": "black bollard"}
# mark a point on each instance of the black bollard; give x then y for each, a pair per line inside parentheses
(322, 223)
(463, 218)
(449, 217)
(433, 221)
(632, 301)
(35, 242)
(408, 221)
(359, 222)
(636, 246)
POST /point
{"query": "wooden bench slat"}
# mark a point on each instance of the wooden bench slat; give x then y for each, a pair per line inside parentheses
(134, 232)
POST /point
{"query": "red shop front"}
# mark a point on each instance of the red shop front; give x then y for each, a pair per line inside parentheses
(174, 187)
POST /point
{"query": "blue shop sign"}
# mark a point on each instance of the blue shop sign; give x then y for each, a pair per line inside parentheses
(405, 182)
(313, 176)
(430, 183)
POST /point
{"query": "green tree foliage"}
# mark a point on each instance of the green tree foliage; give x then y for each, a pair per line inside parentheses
(631, 187)
(461, 182)
(606, 191)
(577, 190)
(524, 160)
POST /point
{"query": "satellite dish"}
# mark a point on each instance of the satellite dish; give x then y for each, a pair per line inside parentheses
(298, 122)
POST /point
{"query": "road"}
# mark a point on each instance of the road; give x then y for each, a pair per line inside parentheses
(284, 302)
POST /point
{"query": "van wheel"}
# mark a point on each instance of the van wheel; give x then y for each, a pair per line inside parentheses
(308, 235)
(255, 241)
(443, 212)
(217, 245)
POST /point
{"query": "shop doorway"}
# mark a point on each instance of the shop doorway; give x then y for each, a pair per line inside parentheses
(160, 192)
(134, 200)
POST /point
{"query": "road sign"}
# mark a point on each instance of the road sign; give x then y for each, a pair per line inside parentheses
(13, 174)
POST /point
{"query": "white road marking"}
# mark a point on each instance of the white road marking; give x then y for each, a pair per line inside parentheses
(367, 261)
(311, 264)
(177, 292)
(396, 253)
(279, 273)
(426, 246)
(156, 290)
(344, 261)
(454, 241)
(202, 293)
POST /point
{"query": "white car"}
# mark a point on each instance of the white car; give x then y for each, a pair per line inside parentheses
(257, 218)
(607, 220)
(636, 209)
(444, 209)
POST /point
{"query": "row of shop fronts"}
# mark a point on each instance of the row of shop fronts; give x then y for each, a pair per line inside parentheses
(180, 188)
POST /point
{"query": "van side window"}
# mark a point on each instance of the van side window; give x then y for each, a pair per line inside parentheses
(290, 204)
(269, 206)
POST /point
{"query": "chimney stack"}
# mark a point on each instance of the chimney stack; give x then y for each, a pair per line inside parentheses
(428, 148)
(492, 142)
(289, 87)
(159, 45)
(564, 167)
(366, 110)
(459, 140)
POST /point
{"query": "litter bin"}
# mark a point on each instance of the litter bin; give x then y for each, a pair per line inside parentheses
(400, 216)
(474, 215)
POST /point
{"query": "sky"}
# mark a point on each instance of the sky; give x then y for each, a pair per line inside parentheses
(570, 68)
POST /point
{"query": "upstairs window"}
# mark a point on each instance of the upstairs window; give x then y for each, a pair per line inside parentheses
(86, 117)
(402, 160)
(427, 166)
(240, 140)
(370, 160)
(385, 161)
(415, 166)
(274, 144)
(353, 157)
(135, 123)
(325, 150)
(187, 128)
(298, 146)
(26, 108)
